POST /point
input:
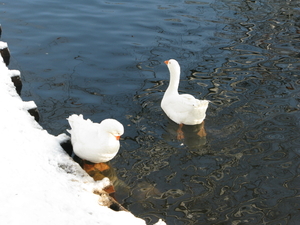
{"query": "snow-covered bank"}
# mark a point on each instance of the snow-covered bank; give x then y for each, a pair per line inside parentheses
(40, 183)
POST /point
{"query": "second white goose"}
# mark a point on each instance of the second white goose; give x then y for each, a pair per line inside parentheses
(181, 108)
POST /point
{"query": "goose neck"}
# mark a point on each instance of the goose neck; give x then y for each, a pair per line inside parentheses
(174, 82)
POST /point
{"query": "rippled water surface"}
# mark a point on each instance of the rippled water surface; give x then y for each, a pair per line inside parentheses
(105, 59)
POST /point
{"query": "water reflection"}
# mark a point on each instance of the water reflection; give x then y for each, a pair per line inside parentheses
(193, 136)
(249, 71)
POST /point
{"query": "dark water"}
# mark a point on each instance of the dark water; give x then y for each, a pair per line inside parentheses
(105, 59)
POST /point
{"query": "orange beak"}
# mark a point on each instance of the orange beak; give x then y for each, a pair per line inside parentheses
(166, 62)
(118, 137)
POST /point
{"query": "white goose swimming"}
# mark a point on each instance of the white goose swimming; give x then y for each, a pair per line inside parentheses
(95, 142)
(181, 108)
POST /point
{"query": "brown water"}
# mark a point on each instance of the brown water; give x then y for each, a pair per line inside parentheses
(105, 59)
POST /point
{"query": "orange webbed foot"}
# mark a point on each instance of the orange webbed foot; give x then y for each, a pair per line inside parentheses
(180, 134)
(202, 132)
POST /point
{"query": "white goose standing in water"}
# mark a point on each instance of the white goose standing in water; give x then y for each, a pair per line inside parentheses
(181, 108)
(95, 142)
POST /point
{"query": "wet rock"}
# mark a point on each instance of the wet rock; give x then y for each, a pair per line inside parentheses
(35, 113)
(32, 109)
(18, 83)
(5, 55)
(16, 79)
(67, 146)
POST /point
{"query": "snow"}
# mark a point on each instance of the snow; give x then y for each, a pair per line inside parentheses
(40, 183)
(3, 45)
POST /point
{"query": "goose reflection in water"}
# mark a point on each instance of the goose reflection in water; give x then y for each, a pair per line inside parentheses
(193, 136)
(97, 170)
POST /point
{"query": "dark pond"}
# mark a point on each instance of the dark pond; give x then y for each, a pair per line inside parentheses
(105, 59)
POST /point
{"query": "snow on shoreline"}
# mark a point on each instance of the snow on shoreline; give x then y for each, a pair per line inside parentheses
(40, 183)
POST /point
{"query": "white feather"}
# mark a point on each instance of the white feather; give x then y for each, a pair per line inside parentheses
(95, 142)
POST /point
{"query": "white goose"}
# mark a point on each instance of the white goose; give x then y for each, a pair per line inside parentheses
(93, 141)
(181, 108)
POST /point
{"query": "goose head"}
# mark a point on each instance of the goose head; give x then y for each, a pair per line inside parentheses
(113, 127)
(173, 66)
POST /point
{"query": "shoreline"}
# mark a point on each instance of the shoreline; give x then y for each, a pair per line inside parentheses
(43, 184)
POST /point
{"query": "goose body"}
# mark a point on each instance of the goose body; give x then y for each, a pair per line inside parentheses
(95, 142)
(181, 108)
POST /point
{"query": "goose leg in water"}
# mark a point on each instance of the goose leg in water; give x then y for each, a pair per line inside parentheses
(180, 134)
(202, 132)
(88, 167)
